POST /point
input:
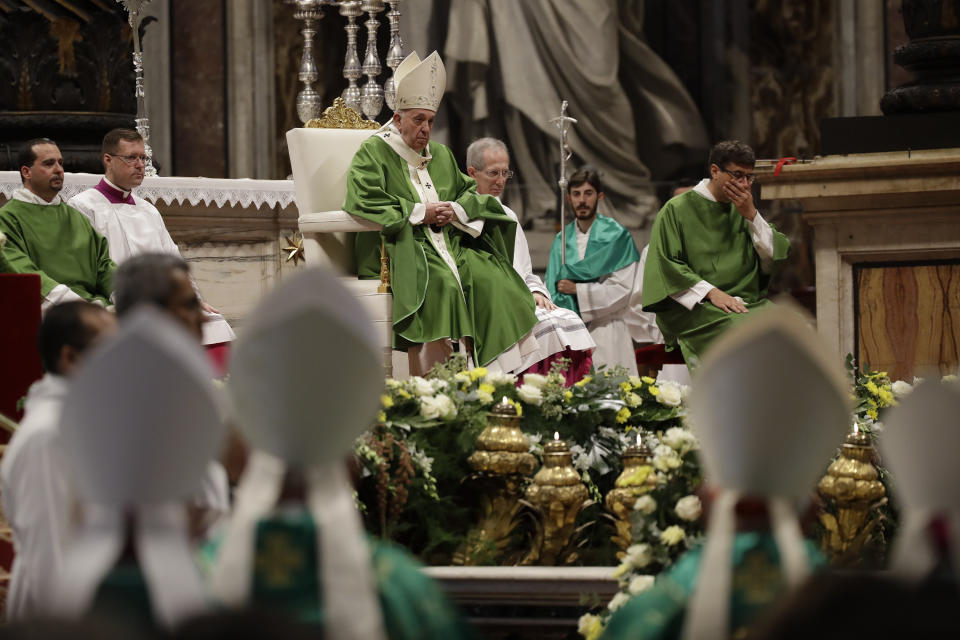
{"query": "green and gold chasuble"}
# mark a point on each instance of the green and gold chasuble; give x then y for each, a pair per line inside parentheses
(286, 579)
(659, 612)
(489, 303)
(610, 248)
(696, 239)
(57, 242)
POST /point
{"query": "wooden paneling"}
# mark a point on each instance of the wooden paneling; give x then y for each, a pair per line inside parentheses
(908, 318)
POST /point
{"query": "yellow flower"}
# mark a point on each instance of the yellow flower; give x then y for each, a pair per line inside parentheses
(653, 391)
(633, 400)
(872, 387)
(381, 416)
(479, 372)
(590, 626)
(568, 395)
(672, 535)
(637, 478)
(621, 570)
(386, 401)
(623, 415)
(486, 387)
(626, 387)
(583, 381)
(517, 406)
(648, 379)
(872, 413)
(403, 394)
(636, 382)
(886, 397)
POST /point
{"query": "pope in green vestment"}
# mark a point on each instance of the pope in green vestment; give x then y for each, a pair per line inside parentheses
(57, 242)
(697, 241)
(658, 613)
(485, 298)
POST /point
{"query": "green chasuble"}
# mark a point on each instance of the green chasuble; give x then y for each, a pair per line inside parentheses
(696, 239)
(286, 579)
(659, 612)
(609, 248)
(57, 242)
(491, 303)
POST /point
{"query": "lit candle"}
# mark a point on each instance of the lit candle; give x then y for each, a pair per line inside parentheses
(856, 428)
(556, 436)
(638, 438)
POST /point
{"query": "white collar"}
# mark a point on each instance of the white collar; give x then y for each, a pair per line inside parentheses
(390, 134)
(703, 190)
(123, 192)
(25, 195)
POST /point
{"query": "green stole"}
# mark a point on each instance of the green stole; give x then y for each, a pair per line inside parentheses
(757, 583)
(57, 242)
(696, 239)
(609, 248)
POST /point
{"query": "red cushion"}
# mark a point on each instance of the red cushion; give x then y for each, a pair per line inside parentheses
(19, 324)
(657, 355)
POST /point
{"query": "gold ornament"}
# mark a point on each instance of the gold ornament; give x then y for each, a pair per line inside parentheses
(340, 116)
(294, 249)
(852, 482)
(637, 478)
(501, 464)
(557, 495)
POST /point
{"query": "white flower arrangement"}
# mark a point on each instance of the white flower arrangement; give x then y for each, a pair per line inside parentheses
(680, 440)
(438, 406)
(639, 555)
(639, 584)
(421, 386)
(688, 508)
(530, 394)
(665, 458)
(535, 380)
(672, 535)
(670, 394)
(645, 504)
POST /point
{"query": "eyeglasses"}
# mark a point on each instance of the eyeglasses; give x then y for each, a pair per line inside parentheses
(740, 175)
(130, 159)
(493, 174)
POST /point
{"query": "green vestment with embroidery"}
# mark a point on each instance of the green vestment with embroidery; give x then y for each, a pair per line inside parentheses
(696, 239)
(490, 304)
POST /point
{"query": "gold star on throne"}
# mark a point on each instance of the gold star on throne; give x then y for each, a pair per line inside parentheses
(294, 249)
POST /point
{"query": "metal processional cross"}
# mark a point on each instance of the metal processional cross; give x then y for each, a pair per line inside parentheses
(563, 122)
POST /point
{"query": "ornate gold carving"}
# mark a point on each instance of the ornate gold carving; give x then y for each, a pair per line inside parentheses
(557, 495)
(636, 479)
(340, 116)
(501, 464)
(852, 482)
(384, 269)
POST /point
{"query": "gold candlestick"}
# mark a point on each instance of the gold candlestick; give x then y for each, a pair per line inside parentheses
(501, 465)
(637, 478)
(852, 482)
(558, 496)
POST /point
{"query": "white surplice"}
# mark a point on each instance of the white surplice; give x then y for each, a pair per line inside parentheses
(556, 329)
(133, 229)
(612, 309)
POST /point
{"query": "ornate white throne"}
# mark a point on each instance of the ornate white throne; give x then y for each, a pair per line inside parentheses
(320, 155)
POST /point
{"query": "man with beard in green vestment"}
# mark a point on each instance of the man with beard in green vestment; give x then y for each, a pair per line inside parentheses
(711, 255)
(450, 249)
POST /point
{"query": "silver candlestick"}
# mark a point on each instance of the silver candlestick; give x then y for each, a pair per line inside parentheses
(350, 9)
(563, 122)
(142, 121)
(372, 96)
(308, 100)
(395, 54)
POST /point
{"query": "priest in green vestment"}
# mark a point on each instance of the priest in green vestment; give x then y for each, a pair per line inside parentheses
(600, 276)
(783, 415)
(711, 255)
(450, 249)
(47, 237)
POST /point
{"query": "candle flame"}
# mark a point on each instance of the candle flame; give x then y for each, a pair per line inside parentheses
(856, 428)
(556, 435)
(638, 438)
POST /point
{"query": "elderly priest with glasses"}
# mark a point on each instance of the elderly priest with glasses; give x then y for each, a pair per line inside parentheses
(450, 249)
(711, 255)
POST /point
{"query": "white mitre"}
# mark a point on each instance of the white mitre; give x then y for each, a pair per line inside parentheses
(770, 405)
(420, 84)
(141, 423)
(305, 382)
(919, 444)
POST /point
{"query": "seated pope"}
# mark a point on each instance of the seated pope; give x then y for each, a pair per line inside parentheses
(450, 249)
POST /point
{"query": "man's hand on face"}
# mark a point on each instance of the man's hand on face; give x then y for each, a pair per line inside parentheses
(543, 301)
(726, 302)
(438, 213)
(742, 199)
(567, 286)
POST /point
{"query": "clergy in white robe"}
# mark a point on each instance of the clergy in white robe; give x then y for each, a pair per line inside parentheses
(132, 225)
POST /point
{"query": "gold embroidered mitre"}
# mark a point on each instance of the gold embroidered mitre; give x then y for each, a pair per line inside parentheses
(420, 83)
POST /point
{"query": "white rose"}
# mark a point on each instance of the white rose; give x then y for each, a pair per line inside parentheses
(639, 555)
(438, 406)
(421, 387)
(530, 394)
(439, 385)
(485, 397)
(587, 622)
(688, 508)
(499, 377)
(640, 583)
(901, 388)
(535, 380)
(634, 400)
(670, 394)
(680, 440)
(618, 600)
(665, 458)
(645, 505)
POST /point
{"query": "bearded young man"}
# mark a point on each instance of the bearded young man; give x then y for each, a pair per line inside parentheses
(711, 255)
(450, 249)
(47, 237)
(601, 278)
